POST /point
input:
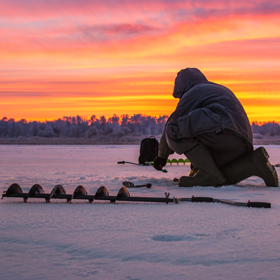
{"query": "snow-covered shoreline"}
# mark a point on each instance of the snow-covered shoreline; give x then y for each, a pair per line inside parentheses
(133, 140)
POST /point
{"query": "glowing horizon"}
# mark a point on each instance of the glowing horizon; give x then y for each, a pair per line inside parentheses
(69, 58)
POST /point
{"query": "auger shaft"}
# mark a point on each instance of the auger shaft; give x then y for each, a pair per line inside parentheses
(102, 193)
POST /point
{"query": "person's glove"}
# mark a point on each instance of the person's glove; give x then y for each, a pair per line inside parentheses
(159, 163)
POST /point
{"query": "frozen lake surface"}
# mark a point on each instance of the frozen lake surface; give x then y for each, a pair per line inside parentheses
(131, 240)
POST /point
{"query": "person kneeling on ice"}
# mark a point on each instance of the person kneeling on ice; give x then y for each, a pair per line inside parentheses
(212, 129)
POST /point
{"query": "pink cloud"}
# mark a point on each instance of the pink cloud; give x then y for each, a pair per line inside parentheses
(246, 49)
(40, 9)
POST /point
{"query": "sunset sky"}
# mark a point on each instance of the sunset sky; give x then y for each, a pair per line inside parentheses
(90, 57)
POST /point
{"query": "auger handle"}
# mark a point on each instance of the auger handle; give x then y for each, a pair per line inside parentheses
(259, 204)
(202, 199)
(198, 199)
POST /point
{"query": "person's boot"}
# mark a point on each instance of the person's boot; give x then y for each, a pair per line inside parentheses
(207, 173)
(254, 164)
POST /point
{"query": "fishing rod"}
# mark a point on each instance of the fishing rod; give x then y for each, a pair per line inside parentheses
(141, 164)
(168, 161)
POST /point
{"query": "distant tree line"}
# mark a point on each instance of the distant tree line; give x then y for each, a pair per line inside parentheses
(115, 126)
(266, 129)
(79, 127)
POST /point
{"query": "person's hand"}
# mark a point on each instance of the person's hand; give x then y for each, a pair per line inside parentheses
(159, 163)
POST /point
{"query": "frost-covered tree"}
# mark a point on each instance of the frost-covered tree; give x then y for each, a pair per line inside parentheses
(101, 128)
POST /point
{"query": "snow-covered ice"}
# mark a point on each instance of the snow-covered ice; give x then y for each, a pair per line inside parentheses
(131, 240)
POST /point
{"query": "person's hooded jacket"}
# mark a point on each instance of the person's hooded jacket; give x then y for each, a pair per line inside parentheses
(205, 107)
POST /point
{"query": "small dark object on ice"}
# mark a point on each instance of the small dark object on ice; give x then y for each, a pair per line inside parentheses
(131, 185)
